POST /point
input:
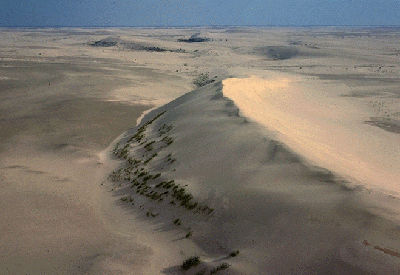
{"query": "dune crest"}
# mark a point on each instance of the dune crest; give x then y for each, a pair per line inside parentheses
(317, 123)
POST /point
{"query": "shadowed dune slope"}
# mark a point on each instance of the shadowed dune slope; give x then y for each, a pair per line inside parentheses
(284, 215)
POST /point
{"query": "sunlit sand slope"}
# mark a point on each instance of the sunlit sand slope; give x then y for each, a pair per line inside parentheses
(327, 129)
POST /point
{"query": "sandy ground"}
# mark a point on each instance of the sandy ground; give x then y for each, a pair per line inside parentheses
(63, 102)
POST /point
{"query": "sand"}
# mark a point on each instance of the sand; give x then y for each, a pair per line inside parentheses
(283, 214)
(288, 208)
(314, 120)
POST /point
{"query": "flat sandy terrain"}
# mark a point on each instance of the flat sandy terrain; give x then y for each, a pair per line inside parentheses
(290, 155)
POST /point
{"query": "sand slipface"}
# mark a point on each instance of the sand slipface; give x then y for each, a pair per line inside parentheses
(313, 119)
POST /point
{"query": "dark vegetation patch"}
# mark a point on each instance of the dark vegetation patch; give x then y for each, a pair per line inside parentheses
(129, 45)
(239, 30)
(221, 267)
(361, 94)
(199, 267)
(304, 44)
(203, 79)
(190, 262)
(278, 52)
(195, 38)
(106, 42)
(234, 253)
(387, 124)
(149, 184)
(142, 47)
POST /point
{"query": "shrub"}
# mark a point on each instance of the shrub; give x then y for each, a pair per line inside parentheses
(160, 184)
(222, 266)
(165, 129)
(149, 146)
(234, 253)
(153, 156)
(202, 80)
(142, 174)
(167, 140)
(146, 178)
(149, 213)
(190, 262)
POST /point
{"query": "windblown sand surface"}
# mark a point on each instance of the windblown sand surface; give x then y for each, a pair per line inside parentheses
(314, 120)
(290, 155)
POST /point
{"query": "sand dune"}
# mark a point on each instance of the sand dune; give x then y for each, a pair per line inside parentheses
(260, 173)
(281, 213)
(313, 119)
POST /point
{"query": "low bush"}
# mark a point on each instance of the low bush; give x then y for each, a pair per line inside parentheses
(234, 253)
(202, 80)
(222, 266)
(190, 262)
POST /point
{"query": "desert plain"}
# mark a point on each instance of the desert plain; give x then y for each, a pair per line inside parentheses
(257, 150)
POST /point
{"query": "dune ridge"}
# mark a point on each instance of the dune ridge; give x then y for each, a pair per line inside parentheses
(281, 213)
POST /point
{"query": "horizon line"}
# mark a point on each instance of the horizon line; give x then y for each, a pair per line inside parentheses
(191, 26)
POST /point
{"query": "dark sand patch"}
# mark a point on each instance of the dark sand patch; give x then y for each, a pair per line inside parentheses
(57, 101)
(278, 52)
(360, 79)
(361, 94)
(72, 123)
(387, 124)
(287, 52)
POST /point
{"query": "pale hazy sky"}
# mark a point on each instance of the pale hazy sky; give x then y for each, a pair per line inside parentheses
(198, 12)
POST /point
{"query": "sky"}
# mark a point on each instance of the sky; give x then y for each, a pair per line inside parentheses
(91, 13)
